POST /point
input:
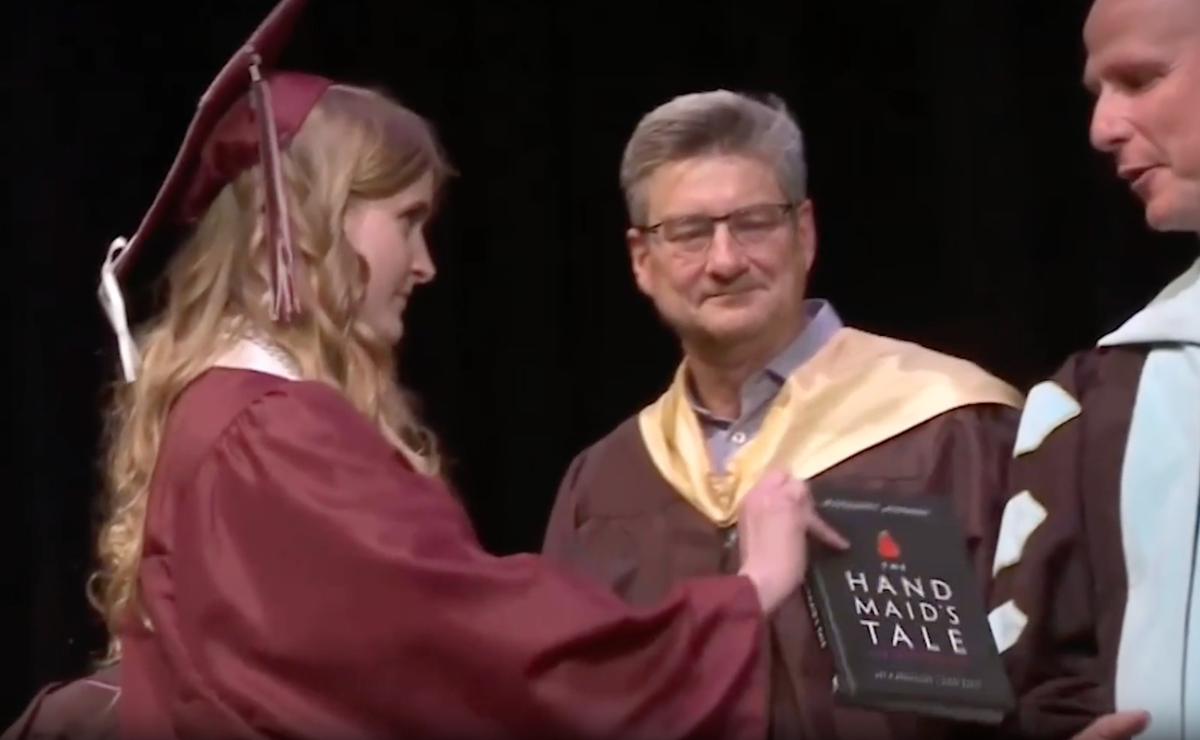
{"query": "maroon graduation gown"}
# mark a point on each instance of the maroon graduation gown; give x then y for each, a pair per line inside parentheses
(617, 518)
(303, 581)
(84, 709)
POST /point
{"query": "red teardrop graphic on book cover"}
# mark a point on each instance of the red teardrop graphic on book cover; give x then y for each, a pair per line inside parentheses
(887, 547)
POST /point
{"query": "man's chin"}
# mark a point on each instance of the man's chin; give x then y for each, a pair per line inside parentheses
(1166, 213)
(730, 328)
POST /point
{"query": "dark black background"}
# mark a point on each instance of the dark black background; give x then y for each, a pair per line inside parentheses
(956, 197)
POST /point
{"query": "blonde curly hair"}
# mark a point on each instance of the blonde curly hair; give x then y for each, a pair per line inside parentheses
(355, 144)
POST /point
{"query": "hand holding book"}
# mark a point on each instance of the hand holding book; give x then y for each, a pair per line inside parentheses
(1116, 726)
(775, 521)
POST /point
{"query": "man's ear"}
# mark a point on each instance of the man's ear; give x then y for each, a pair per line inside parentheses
(639, 257)
(806, 232)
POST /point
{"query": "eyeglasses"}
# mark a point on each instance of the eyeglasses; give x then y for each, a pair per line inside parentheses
(749, 226)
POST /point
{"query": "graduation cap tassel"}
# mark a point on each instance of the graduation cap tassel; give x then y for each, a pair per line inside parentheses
(285, 304)
(113, 303)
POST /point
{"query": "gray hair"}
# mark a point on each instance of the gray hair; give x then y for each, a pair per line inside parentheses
(715, 122)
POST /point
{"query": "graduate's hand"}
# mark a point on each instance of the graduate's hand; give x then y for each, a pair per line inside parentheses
(775, 521)
(1116, 726)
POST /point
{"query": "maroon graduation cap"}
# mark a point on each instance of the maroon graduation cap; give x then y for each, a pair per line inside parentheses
(247, 116)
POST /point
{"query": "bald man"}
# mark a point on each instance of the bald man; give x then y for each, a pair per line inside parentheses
(1096, 603)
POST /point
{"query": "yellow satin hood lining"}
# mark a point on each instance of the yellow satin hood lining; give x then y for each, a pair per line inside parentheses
(859, 390)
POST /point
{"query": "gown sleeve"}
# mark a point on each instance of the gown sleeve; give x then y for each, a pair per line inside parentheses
(1042, 604)
(322, 588)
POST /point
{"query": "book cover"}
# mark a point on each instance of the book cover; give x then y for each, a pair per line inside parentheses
(901, 610)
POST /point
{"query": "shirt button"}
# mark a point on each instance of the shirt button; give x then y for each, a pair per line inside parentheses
(731, 538)
(738, 438)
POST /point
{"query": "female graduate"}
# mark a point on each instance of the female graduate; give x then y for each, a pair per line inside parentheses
(281, 557)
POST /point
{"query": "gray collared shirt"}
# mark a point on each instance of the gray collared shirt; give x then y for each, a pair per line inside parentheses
(724, 436)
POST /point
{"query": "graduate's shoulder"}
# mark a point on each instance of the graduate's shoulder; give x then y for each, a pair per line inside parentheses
(225, 401)
(82, 709)
(227, 393)
(1093, 389)
(1094, 378)
(619, 450)
(1094, 371)
(914, 364)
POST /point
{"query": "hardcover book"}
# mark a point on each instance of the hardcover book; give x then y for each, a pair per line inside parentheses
(901, 611)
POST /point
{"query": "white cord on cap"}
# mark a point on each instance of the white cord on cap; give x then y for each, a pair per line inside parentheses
(114, 306)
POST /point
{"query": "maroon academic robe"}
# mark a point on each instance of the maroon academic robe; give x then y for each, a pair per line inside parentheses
(617, 518)
(302, 581)
(84, 709)
(1096, 598)
(1061, 589)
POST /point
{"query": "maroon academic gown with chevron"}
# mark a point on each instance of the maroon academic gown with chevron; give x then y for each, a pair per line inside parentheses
(304, 582)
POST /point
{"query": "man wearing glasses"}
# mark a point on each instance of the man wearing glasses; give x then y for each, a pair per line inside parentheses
(723, 241)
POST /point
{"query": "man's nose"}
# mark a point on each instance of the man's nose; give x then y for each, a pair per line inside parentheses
(726, 257)
(1110, 123)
